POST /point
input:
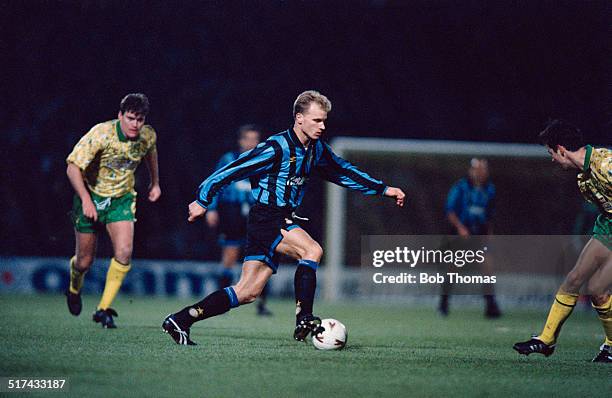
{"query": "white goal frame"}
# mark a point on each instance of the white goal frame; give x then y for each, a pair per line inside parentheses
(335, 215)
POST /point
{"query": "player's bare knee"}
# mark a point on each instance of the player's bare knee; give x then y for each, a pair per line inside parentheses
(313, 252)
(123, 254)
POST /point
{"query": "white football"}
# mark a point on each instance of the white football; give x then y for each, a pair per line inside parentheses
(333, 337)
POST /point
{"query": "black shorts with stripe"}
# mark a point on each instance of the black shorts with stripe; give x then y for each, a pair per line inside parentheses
(264, 233)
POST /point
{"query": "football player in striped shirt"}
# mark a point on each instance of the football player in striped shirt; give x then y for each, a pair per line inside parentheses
(279, 170)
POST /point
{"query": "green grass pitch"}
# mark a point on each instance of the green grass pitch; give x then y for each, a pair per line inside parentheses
(392, 350)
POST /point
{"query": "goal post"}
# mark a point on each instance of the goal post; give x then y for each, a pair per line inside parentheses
(358, 149)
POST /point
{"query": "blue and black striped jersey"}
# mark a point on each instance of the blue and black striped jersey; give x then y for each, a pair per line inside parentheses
(279, 168)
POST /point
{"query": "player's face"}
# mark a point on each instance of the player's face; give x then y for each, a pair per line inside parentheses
(131, 123)
(559, 157)
(479, 172)
(312, 122)
(248, 140)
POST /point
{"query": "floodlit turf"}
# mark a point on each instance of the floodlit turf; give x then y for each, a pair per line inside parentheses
(391, 351)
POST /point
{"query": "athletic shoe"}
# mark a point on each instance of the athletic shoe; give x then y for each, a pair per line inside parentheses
(179, 335)
(74, 302)
(105, 317)
(305, 325)
(605, 354)
(534, 345)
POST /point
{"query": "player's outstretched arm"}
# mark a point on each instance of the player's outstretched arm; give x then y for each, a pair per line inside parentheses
(397, 194)
(250, 163)
(333, 168)
(195, 211)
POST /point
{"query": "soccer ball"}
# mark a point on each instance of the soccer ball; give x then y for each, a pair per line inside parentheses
(332, 338)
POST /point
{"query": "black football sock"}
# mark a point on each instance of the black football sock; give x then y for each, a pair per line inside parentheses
(214, 304)
(305, 284)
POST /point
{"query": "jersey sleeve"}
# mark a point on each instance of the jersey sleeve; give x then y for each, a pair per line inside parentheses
(223, 161)
(87, 148)
(453, 200)
(258, 160)
(333, 168)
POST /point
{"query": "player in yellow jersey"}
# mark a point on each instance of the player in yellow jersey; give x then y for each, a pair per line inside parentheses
(594, 265)
(101, 170)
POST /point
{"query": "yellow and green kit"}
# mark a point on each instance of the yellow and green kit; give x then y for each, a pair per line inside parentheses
(109, 160)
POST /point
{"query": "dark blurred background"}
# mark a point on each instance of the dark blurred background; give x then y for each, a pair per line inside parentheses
(469, 70)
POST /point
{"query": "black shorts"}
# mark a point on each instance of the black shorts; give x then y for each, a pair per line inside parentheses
(232, 225)
(264, 233)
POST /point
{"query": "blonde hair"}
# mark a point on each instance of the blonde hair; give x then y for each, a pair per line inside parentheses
(303, 101)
